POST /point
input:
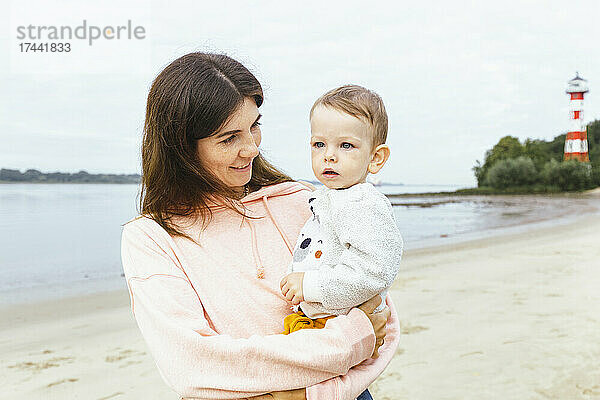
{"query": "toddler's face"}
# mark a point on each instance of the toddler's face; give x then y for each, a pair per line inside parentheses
(340, 148)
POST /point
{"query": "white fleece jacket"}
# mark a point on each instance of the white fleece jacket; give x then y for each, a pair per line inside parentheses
(349, 250)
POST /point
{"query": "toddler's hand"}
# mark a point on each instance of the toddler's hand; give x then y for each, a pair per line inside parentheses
(291, 287)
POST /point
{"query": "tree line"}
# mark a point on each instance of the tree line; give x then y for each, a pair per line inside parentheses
(35, 176)
(537, 165)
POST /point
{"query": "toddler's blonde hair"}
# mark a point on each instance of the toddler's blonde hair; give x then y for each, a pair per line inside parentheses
(361, 103)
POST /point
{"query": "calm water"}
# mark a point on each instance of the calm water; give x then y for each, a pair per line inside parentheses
(63, 239)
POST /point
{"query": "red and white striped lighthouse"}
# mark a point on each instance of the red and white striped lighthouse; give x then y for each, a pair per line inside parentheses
(576, 144)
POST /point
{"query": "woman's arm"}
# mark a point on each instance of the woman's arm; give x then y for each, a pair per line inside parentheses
(198, 362)
(358, 378)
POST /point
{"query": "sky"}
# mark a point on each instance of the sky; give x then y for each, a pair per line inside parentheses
(455, 76)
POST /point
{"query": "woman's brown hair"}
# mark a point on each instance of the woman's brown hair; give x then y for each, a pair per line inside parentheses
(191, 99)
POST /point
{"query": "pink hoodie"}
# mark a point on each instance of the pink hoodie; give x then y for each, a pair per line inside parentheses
(211, 314)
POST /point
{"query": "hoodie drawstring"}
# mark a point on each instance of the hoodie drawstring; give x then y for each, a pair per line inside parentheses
(260, 269)
(283, 236)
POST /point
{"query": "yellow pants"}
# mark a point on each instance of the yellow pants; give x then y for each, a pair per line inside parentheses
(295, 322)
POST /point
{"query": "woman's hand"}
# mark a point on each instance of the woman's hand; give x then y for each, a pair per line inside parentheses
(298, 394)
(378, 320)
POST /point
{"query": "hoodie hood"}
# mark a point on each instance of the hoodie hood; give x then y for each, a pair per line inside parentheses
(263, 195)
(279, 189)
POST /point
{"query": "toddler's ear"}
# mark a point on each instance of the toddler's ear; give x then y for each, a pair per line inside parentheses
(380, 156)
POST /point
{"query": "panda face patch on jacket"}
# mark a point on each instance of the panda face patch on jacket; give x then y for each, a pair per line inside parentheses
(309, 250)
(306, 247)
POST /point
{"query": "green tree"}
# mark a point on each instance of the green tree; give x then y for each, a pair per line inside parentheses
(508, 147)
(595, 175)
(593, 133)
(541, 152)
(568, 175)
(512, 172)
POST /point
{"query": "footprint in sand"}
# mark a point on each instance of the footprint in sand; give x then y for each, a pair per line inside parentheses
(590, 391)
(111, 396)
(62, 381)
(41, 365)
(407, 329)
(42, 352)
(124, 357)
(513, 341)
(473, 353)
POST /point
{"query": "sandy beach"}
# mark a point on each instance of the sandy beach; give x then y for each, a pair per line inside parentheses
(507, 317)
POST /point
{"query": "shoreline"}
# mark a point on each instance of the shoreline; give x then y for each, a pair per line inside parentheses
(42, 308)
(508, 316)
(110, 284)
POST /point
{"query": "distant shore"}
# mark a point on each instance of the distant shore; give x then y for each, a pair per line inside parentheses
(70, 183)
(35, 176)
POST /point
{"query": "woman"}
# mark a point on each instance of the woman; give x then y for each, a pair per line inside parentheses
(204, 259)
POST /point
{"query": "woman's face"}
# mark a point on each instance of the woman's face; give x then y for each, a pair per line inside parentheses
(228, 154)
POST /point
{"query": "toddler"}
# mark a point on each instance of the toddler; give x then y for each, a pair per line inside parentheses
(350, 249)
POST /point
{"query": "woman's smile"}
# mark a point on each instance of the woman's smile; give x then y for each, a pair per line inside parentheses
(245, 168)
